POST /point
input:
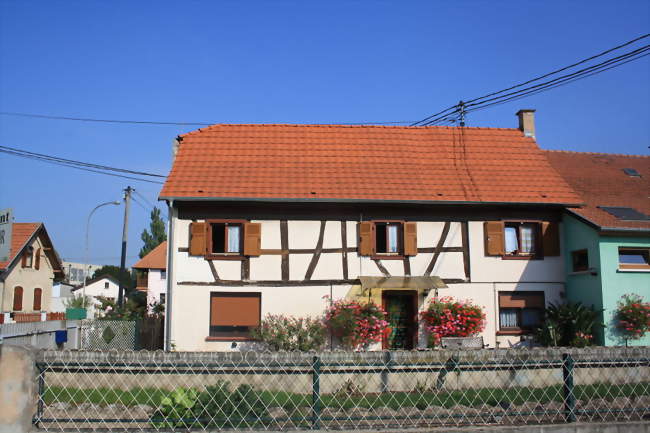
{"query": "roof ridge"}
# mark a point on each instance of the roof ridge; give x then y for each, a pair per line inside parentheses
(595, 153)
(334, 125)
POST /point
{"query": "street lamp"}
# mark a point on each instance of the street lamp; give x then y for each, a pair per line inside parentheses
(83, 292)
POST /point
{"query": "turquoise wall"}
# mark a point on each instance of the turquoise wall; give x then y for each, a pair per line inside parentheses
(617, 283)
(583, 287)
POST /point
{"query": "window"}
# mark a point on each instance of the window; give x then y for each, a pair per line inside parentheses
(225, 239)
(633, 258)
(18, 298)
(522, 239)
(163, 275)
(37, 299)
(580, 260)
(520, 311)
(106, 284)
(233, 315)
(162, 298)
(387, 239)
(28, 257)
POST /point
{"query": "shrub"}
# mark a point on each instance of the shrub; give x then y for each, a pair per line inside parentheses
(570, 324)
(219, 407)
(176, 409)
(357, 325)
(633, 316)
(446, 317)
(291, 333)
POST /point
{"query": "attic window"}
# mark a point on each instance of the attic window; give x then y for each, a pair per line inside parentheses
(631, 172)
(625, 213)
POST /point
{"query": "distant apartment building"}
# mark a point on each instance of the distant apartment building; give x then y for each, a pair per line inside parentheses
(74, 271)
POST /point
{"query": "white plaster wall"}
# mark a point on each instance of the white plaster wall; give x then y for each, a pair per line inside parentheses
(491, 268)
(270, 234)
(263, 267)
(30, 279)
(332, 235)
(303, 234)
(329, 266)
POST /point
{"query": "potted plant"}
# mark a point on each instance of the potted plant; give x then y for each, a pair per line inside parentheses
(446, 317)
(633, 316)
(357, 325)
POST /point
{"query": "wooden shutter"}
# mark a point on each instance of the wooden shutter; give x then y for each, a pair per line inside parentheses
(551, 239)
(494, 238)
(410, 239)
(252, 239)
(18, 298)
(38, 293)
(235, 309)
(198, 239)
(37, 260)
(366, 238)
(23, 260)
(521, 299)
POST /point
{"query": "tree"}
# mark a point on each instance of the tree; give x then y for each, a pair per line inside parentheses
(125, 277)
(156, 236)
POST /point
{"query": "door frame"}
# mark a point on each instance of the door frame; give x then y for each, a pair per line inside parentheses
(414, 323)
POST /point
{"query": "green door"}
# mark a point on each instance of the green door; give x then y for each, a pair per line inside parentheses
(400, 306)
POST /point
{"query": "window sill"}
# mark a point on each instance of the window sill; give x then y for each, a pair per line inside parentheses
(387, 257)
(229, 339)
(585, 272)
(521, 257)
(626, 270)
(224, 257)
(513, 332)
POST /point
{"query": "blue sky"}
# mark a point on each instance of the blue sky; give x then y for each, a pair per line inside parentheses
(283, 62)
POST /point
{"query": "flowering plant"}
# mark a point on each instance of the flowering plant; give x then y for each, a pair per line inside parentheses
(633, 316)
(290, 333)
(356, 324)
(446, 317)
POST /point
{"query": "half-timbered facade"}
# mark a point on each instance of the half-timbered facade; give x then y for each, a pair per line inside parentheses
(281, 218)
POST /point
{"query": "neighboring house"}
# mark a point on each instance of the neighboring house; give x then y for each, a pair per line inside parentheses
(274, 218)
(74, 271)
(152, 275)
(607, 242)
(61, 293)
(26, 278)
(104, 286)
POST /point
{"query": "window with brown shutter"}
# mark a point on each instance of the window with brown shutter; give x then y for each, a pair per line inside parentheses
(38, 293)
(197, 239)
(493, 238)
(366, 241)
(551, 239)
(37, 260)
(234, 314)
(520, 312)
(18, 298)
(410, 239)
(252, 239)
(521, 239)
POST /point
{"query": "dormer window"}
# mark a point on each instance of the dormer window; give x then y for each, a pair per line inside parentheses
(28, 257)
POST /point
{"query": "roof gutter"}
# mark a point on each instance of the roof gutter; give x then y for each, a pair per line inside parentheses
(365, 201)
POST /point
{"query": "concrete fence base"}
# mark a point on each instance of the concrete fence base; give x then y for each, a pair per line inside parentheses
(18, 388)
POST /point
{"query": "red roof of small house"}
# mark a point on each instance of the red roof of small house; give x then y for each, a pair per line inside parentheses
(21, 234)
(364, 163)
(601, 181)
(156, 259)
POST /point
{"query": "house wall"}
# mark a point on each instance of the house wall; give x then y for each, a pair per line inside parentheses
(617, 283)
(97, 289)
(194, 279)
(585, 286)
(156, 284)
(29, 279)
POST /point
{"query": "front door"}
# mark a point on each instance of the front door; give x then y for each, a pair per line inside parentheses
(401, 306)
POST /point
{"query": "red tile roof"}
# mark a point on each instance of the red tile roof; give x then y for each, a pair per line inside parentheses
(377, 163)
(600, 180)
(156, 259)
(20, 234)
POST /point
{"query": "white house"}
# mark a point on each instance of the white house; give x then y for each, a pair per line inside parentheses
(105, 286)
(152, 277)
(271, 218)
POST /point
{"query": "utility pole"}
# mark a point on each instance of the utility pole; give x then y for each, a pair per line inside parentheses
(125, 232)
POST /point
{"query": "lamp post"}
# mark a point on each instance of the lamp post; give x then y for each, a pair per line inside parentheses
(83, 292)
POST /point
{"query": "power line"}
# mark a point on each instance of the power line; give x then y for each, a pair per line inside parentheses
(154, 122)
(99, 169)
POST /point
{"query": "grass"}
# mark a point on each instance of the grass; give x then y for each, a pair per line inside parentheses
(393, 400)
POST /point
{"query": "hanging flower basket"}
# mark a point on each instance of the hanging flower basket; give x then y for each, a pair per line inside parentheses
(446, 317)
(356, 325)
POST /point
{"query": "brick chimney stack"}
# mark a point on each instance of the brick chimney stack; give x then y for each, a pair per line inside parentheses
(527, 122)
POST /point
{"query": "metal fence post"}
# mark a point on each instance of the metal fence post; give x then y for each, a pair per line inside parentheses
(41, 393)
(384, 374)
(315, 395)
(567, 387)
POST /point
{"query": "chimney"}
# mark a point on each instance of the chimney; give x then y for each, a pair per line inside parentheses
(175, 145)
(527, 122)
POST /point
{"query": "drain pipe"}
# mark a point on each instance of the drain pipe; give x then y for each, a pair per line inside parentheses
(170, 274)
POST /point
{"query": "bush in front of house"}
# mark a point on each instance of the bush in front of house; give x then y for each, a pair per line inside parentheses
(357, 325)
(633, 316)
(568, 325)
(280, 332)
(447, 317)
(176, 409)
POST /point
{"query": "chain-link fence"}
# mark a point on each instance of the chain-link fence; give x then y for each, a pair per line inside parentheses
(159, 391)
(108, 334)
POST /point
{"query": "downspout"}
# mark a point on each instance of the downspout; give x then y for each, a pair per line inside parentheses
(170, 274)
